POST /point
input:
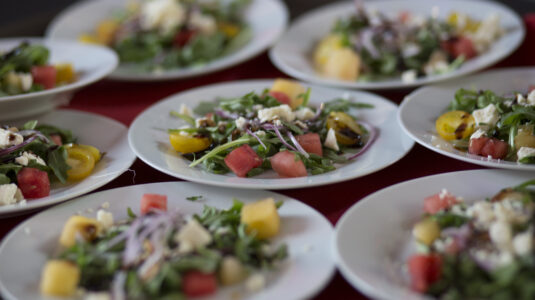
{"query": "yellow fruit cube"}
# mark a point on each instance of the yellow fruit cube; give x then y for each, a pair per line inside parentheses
(106, 30)
(88, 39)
(426, 231)
(261, 217)
(59, 278)
(79, 226)
(231, 271)
(65, 73)
(325, 48)
(343, 64)
(293, 89)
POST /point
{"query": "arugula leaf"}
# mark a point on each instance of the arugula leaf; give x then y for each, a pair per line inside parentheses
(4, 179)
(66, 135)
(30, 125)
(57, 161)
(184, 117)
(194, 198)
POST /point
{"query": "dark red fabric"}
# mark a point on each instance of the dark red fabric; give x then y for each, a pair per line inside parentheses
(123, 101)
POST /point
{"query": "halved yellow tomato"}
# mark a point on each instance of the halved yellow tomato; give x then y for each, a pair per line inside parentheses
(229, 29)
(347, 130)
(455, 125)
(188, 143)
(81, 161)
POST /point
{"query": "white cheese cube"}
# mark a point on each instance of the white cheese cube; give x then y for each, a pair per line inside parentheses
(282, 112)
(256, 282)
(204, 23)
(330, 140)
(10, 194)
(105, 218)
(8, 138)
(193, 234)
(26, 81)
(409, 76)
(478, 133)
(260, 133)
(524, 152)
(488, 115)
(304, 114)
(523, 243)
(240, 123)
(26, 157)
(164, 15)
(501, 234)
(521, 100)
(531, 98)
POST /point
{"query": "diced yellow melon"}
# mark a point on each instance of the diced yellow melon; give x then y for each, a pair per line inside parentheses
(88, 39)
(65, 73)
(343, 64)
(325, 48)
(59, 278)
(426, 231)
(231, 271)
(293, 89)
(261, 217)
(106, 30)
(86, 228)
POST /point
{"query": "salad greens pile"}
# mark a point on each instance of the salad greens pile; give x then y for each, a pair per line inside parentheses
(516, 118)
(230, 123)
(20, 60)
(190, 33)
(36, 140)
(101, 260)
(466, 274)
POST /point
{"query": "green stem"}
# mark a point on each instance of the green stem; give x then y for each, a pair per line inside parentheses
(216, 150)
(186, 118)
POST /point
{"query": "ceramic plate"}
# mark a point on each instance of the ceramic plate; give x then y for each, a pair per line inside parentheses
(420, 109)
(306, 232)
(91, 63)
(292, 53)
(266, 18)
(373, 238)
(149, 140)
(107, 135)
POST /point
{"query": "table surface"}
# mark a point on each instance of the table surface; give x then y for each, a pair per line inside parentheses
(123, 101)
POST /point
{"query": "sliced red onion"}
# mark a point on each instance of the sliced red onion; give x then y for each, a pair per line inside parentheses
(460, 235)
(26, 133)
(367, 42)
(372, 137)
(117, 286)
(318, 113)
(11, 149)
(156, 255)
(297, 145)
(225, 114)
(133, 245)
(279, 135)
(256, 137)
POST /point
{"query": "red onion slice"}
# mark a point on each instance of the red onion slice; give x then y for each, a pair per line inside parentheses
(372, 137)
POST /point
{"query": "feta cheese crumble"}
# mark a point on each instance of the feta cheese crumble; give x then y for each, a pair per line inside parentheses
(304, 114)
(164, 15)
(10, 194)
(240, 123)
(185, 110)
(488, 115)
(105, 218)
(9, 138)
(26, 157)
(524, 152)
(409, 76)
(282, 112)
(330, 140)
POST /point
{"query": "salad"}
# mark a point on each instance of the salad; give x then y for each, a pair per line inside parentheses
(371, 46)
(158, 35)
(26, 69)
(36, 155)
(273, 130)
(163, 254)
(490, 125)
(479, 250)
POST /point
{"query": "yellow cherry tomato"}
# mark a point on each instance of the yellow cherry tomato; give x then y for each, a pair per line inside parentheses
(65, 73)
(91, 149)
(188, 143)
(81, 161)
(347, 130)
(455, 125)
(229, 29)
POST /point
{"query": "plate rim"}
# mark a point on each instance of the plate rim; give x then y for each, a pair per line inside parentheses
(313, 291)
(489, 164)
(35, 204)
(259, 185)
(186, 72)
(71, 87)
(390, 84)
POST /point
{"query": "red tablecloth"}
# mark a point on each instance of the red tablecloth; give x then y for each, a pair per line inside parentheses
(123, 101)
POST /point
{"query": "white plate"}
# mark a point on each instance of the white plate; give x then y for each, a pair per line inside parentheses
(373, 238)
(266, 18)
(306, 232)
(149, 140)
(419, 111)
(107, 135)
(91, 64)
(292, 53)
